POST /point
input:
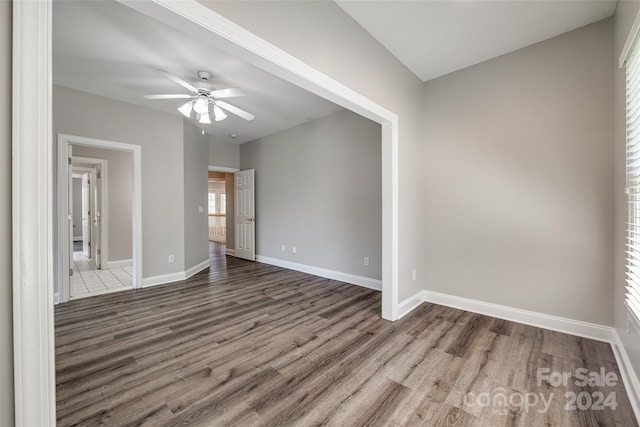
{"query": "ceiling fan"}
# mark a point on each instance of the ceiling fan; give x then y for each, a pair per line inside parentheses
(202, 95)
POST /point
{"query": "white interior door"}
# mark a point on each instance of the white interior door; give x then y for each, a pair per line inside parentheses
(96, 213)
(86, 215)
(245, 215)
(64, 293)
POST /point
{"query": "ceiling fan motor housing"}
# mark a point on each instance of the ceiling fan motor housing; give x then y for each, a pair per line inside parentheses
(203, 85)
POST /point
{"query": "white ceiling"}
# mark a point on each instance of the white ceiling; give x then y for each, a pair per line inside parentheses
(433, 38)
(107, 49)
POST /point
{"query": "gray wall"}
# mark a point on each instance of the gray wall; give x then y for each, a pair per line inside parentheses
(77, 208)
(318, 187)
(6, 282)
(626, 12)
(160, 136)
(323, 36)
(518, 173)
(119, 199)
(196, 157)
(223, 154)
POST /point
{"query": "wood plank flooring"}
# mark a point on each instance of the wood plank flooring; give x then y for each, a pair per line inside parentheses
(251, 344)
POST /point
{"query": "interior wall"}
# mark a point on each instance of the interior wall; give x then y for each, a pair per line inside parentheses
(160, 135)
(77, 208)
(223, 154)
(196, 163)
(6, 281)
(319, 188)
(626, 12)
(518, 178)
(119, 199)
(315, 32)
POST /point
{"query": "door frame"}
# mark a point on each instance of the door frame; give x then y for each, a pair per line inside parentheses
(32, 176)
(64, 142)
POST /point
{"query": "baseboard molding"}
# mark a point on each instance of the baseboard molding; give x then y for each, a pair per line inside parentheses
(174, 277)
(629, 375)
(120, 263)
(411, 303)
(365, 282)
(540, 320)
(197, 268)
(230, 252)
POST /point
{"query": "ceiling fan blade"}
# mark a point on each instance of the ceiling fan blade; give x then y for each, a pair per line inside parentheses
(170, 96)
(231, 92)
(235, 110)
(179, 81)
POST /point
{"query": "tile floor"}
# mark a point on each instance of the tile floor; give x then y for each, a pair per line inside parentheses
(88, 281)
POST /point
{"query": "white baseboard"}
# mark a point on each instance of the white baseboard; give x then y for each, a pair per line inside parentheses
(120, 263)
(77, 238)
(162, 279)
(408, 305)
(230, 252)
(540, 320)
(197, 268)
(323, 272)
(174, 277)
(629, 375)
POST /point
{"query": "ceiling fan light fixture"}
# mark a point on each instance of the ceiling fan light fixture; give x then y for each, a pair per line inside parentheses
(201, 106)
(204, 119)
(186, 109)
(218, 113)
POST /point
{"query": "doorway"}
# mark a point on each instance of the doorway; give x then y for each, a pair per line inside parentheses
(100, 252)
(217, 207)
(93, 272)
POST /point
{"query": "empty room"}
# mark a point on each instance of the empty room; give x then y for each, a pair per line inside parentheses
(346, 213)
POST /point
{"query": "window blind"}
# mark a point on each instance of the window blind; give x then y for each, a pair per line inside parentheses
(632, 66)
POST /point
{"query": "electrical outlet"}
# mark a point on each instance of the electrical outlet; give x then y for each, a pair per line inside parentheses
(294, 250)
(172, 258)
(284, 248)
(366, 261)
(414, 274)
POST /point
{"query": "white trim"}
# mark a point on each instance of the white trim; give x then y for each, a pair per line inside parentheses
(629, 375)
(365, 282)
(120, 263)
(245, 45)
(629, 42)
(231, 252)
(162, 279)
(64, 141)
(32, 216)
(56, 298)
(222, 169)
(175, 277)
(197, 268)
(409, 304)
(540, 320)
